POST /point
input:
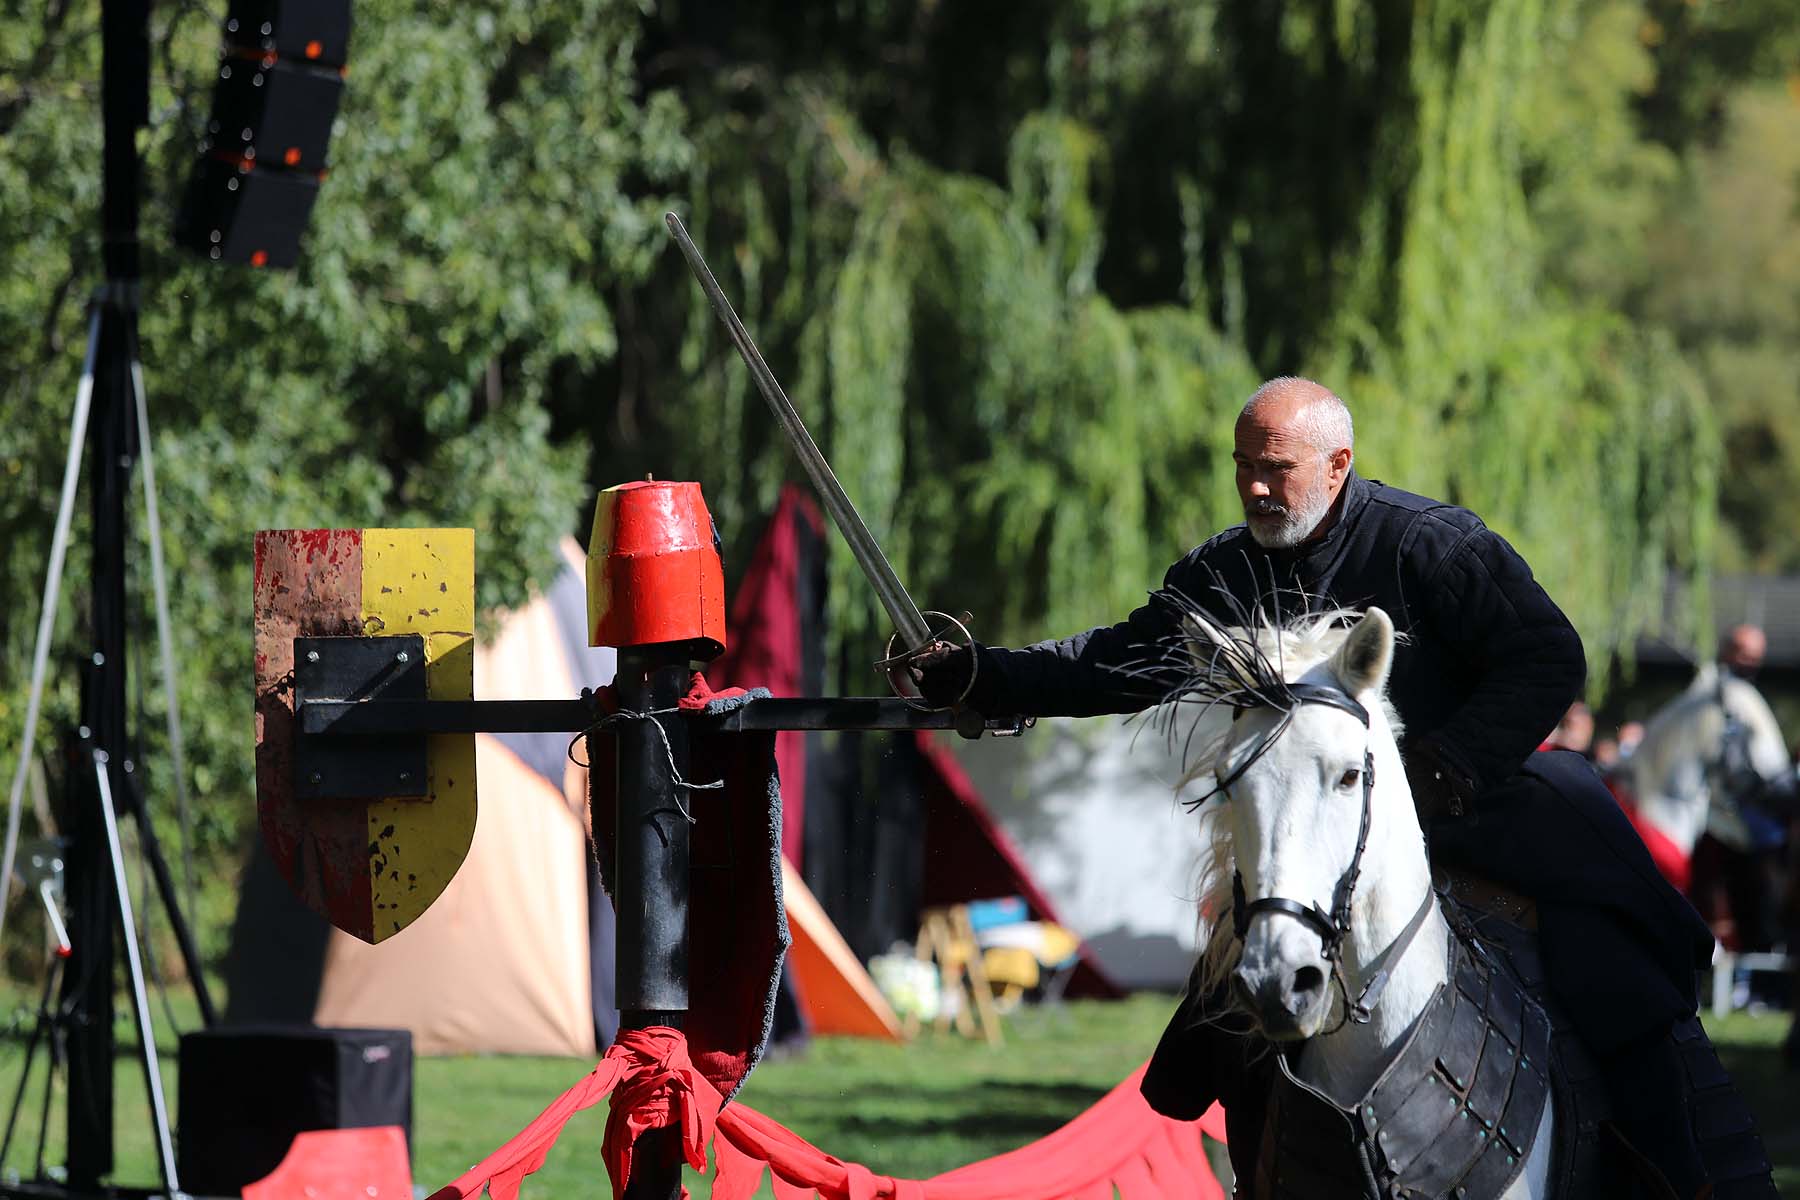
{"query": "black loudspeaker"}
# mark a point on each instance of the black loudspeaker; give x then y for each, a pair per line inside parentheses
(273, 113)
(309, 30)
(246, 1091)
(239, 213)
(281, 79)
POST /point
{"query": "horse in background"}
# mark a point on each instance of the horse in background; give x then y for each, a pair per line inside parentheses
(1705, 789)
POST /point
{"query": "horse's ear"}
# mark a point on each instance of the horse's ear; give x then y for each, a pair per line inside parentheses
(1361, 663)
(1203, 637)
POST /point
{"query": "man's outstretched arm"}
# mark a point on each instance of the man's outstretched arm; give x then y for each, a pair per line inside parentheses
(1108, 669)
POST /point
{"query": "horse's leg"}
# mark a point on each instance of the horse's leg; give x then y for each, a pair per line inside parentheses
(1751, 890)
(1706, 888)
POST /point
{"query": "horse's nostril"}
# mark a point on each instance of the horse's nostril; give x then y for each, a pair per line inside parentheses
(1308, 979)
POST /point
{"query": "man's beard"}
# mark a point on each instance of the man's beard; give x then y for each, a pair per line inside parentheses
(1281, 527)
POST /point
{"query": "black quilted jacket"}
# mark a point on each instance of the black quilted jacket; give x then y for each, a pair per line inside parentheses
(1488, 665)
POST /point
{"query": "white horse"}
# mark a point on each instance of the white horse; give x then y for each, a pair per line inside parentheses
(1291, 805)
(1675, 772)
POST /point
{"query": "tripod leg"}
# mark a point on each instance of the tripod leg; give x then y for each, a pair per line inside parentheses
(165, 887)
(37, 1031)
(58, 1056)
(59, 545)
(165, 639)
(140, 1000)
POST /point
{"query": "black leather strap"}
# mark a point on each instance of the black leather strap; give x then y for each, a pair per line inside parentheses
(1335, 697)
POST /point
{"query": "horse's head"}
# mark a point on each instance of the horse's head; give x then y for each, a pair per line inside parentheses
(1305, 770)
(1684, 768)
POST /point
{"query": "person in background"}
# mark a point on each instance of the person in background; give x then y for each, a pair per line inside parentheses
(1742, 650)
(1575, 731)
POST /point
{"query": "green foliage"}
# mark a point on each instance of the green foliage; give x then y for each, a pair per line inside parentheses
(475, 218)
(1720, 271)
(1707, 50)
(1026, 374)
(1726, 270)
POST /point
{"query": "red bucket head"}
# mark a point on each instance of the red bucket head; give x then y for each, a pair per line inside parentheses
(654, 574)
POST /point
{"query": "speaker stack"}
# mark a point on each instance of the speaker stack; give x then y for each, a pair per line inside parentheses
(247, 1090)
(281, 78)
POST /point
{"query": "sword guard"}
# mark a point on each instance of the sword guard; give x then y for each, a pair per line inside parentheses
(897, 659)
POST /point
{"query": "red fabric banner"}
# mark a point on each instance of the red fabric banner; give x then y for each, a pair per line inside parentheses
(1119, 1146)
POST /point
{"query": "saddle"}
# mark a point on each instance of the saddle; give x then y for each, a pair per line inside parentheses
(1458, 1112)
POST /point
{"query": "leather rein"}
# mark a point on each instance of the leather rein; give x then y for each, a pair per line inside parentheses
(1332, 927)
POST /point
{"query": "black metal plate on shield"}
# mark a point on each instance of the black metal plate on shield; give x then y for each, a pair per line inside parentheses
(358, 766)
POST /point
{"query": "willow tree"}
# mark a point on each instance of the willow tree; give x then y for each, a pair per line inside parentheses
(1022, 284)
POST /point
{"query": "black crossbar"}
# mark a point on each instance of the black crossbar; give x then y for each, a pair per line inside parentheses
(348, 718)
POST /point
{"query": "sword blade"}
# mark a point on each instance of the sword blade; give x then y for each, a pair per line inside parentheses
(893, 595)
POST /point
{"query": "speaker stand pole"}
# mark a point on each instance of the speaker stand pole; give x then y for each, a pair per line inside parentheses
(140, 998)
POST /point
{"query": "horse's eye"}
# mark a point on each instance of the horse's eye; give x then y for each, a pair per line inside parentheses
(1350, 778)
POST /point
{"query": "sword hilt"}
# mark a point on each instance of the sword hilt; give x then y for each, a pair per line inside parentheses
(898, 658)
(970, 723)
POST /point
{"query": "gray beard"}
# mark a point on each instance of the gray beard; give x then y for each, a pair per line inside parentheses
(1277, 528)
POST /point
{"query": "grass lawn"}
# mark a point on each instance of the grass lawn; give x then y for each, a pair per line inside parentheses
(911, 1110)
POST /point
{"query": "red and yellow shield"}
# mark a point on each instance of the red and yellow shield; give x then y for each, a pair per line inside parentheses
(370, 867)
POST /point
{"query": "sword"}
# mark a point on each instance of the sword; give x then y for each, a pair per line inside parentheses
(914, 632)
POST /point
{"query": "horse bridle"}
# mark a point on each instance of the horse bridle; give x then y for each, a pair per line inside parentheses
(1334, 926)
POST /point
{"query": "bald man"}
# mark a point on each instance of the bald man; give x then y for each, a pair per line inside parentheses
(1486, 668)
(1490, 663)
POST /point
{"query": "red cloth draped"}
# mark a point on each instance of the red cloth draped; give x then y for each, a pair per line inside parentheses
(1119, 1145)
(1675, 866)
(652, 1083)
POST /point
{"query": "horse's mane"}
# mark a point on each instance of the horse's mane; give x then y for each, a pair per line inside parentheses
(1248, 664)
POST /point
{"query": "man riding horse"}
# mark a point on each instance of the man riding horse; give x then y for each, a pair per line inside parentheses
(1486, 666)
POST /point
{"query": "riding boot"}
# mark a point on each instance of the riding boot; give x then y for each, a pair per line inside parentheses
(1648, 1088)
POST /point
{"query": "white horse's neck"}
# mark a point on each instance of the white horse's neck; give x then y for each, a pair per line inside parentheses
(1396, 880)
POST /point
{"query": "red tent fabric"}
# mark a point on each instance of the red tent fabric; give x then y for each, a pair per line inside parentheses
(765, 645)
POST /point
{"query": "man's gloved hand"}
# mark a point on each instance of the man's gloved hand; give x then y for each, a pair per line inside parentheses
(943, 671)
(1441, 790)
